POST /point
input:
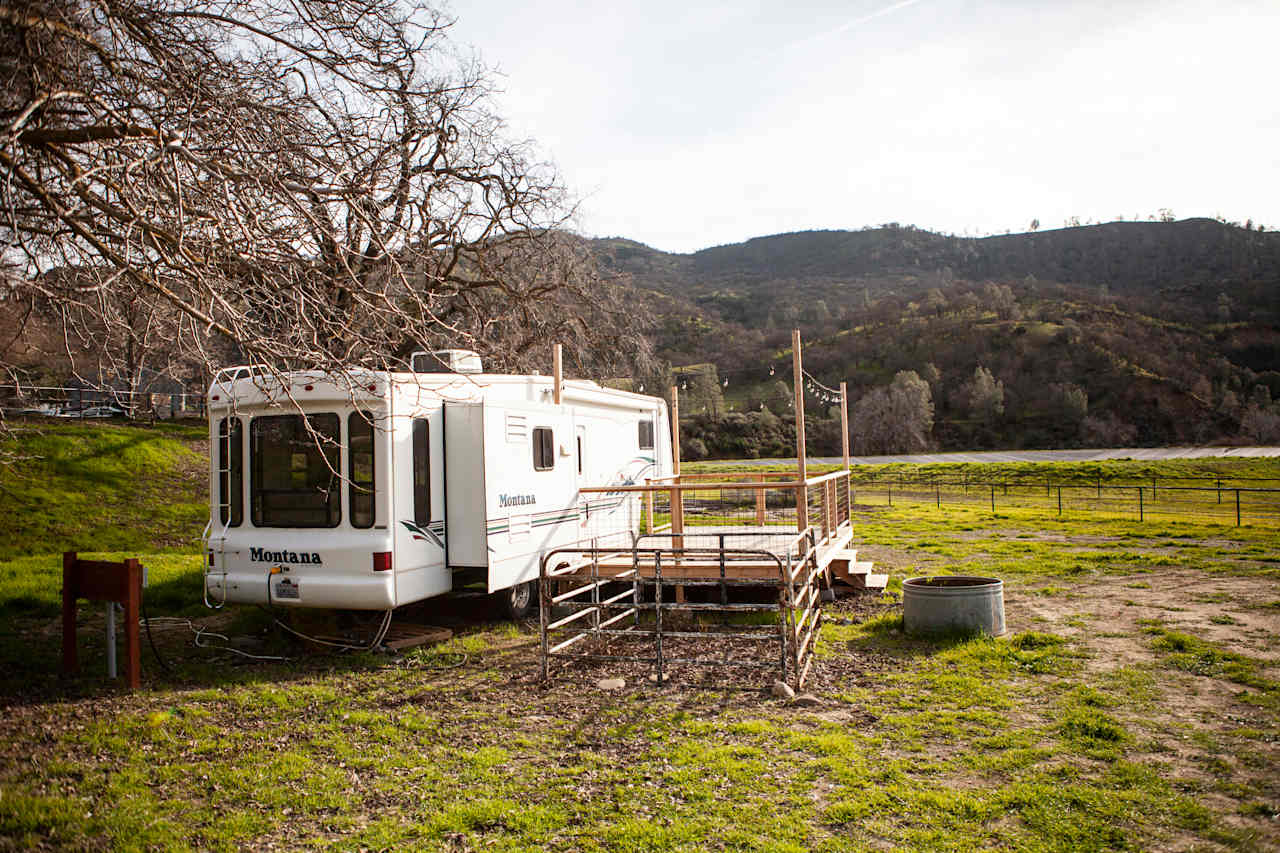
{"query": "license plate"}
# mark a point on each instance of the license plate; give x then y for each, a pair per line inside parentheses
(288, 589)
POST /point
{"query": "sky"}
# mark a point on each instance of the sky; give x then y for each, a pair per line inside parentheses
(691, 124)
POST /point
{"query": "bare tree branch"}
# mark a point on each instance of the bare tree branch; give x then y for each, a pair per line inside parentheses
(293, 182)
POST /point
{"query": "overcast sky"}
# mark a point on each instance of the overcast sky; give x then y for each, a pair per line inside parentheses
(688, 124)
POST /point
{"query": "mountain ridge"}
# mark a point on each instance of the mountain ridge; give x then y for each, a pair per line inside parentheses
(1170, 329)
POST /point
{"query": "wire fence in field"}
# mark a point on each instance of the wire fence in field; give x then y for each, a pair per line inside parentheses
(1223, 502)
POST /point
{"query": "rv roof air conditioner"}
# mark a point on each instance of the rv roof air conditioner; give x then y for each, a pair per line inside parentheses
(446, 361)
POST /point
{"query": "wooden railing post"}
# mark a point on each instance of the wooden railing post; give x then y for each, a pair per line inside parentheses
(797, 381)
(677, 496)
(760, 500)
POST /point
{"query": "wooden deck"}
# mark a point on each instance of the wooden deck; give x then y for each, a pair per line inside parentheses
(745, 553)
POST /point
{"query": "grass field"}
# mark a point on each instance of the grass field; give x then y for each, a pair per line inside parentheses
(1134, 705)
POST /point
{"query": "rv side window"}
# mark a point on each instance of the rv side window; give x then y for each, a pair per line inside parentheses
(579, 454)
(360, 468)
(231, 471)
(544, 452)
(295, 471)
(646, 435)
(421, 472)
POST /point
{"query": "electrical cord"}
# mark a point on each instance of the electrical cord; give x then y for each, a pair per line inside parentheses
(146, 621)
(335, 642)
(201, 632)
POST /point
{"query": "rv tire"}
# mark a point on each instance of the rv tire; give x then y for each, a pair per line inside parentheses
(520, 601)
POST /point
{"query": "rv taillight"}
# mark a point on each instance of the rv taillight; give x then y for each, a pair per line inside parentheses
(211, 559)
(373, 387)
(382, 561)
(308, 387)
(217, 397)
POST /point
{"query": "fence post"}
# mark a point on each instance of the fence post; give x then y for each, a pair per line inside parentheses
(1219, 490)
(1140, 512)
(889, 485)
(1059, 500)
(937, 493)
(993, 497)
(1237, 507)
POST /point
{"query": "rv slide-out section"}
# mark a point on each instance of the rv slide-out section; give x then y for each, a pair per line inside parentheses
(513, 475)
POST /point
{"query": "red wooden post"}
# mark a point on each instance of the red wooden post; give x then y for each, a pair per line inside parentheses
(69, 662)
(132, 613)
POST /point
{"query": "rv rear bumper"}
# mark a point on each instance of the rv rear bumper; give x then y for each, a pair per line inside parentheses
(297, 589)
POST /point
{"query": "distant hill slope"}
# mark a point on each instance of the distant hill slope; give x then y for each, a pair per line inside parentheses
(1193, 258)
(1168, 328)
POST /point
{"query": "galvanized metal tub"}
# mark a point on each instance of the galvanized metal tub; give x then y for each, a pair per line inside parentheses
(953, 604)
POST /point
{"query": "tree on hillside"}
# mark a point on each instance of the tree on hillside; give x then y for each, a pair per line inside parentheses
(1000, 299)
(986, 396)
(314, 183)
(893, 419)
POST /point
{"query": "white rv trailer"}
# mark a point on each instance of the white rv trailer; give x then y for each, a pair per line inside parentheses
(381, 489)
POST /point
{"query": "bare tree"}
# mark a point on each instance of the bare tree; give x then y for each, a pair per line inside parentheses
(293, 182)
(897, 418)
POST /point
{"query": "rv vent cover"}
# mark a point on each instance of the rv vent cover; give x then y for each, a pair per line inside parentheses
(446, 361)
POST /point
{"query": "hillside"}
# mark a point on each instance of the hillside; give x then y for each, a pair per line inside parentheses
(1129, 332)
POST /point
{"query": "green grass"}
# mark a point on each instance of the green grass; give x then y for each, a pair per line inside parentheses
(80, 487)
(1045, 740)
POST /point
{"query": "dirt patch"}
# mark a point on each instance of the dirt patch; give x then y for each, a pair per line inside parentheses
(1184, 599)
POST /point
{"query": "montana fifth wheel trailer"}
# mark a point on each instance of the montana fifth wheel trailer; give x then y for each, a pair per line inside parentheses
(373, 490)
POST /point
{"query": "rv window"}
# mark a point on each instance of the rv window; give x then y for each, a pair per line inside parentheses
(360, 468)
(231, 471)
(646, 435)
(421, 472)
(295, 473)
(544, 452)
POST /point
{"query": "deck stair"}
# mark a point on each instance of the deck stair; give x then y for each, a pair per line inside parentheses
(847, 569)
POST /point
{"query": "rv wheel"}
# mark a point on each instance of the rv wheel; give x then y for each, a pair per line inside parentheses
(520, 600)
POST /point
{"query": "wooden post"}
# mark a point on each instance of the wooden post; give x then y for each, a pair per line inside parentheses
(797, 381)
(69, 662)
(132, 613)
(677, 496)
(844, 422)
(760, 501)
(557, 374)
(648, 508)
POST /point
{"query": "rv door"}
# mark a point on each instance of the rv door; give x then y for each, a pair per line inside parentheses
(418, 442)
